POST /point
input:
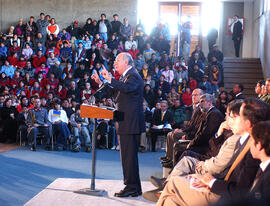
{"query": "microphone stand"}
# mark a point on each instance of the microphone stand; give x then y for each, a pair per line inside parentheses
(92, 191)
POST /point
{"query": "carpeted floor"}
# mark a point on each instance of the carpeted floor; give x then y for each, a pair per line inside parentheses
(23, 173)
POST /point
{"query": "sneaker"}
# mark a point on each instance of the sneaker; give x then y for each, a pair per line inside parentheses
(117, 148)
(113, 148)
(33, 148)
(76, 148)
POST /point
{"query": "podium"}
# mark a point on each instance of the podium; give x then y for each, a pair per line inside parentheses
(95, 112)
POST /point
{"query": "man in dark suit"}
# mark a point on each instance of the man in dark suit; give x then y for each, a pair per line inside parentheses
(189, 130)
(237, 90)
(240, 176)
(161, 117)
(237, 34)
(260, 149)
(129, 101)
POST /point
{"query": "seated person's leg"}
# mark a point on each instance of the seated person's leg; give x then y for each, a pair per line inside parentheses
(87, 138)
(76, 142)
(32, 137)
(47, 132)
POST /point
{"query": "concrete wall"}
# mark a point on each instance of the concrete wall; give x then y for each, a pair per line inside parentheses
(229, 10)
(66, 11)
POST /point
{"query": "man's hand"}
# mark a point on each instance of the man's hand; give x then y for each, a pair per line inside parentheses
(35, 125)
(154, 127)
(79, 126)
(199, 165)
(184, 137)
(96, 78)
(178, 130)
(204, 179)
(224, 125)
(12, 115)
(106, 74)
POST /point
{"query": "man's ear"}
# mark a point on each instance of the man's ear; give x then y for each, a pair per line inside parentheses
(259, 146)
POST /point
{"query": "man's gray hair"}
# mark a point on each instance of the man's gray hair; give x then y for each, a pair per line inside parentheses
(199, 90)
(165, 102)
(128, 57)
(209, 98)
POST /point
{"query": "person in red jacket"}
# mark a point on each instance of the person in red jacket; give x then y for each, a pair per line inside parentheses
(45, 91)
(13, 59)
(36, 89)
(21, 63)
(61, 92)
(39, 59)
(187, 97)
(15, 79)
(52, 81)
(133, 52)
(40, 79)
(4, 80)
(192, 83)
(86, 93)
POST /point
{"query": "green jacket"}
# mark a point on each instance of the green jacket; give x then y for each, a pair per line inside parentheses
(266, 98)
(179, 115)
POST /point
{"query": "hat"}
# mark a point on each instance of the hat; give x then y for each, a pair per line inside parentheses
(76, 22)
(215, 45)
(51, 51)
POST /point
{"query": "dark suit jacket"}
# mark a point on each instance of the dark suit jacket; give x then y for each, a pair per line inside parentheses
(194, 123)
(262, 187)
(208, 127)
(130, 101)
(241, 96)
(237, 30)
(168, 117)
(241, 178)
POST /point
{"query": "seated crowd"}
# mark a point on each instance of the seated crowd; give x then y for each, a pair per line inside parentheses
(46, 74)
(215, 140)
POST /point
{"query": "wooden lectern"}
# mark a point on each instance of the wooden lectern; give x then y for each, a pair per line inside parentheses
(97, 113)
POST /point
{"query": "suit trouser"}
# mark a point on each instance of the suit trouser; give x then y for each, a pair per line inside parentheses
(177, 192)
(129, 158)
(172, 137)
(237, 47)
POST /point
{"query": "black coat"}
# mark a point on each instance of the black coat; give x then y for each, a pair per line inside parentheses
(130, 101)
(241, 179)
(240, 96)
(237, 31)
(168, 117)
(262, 187)
(209, 125)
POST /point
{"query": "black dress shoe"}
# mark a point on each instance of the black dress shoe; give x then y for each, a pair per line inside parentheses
(163, 158)
(157, 182)
(168, 164)
(165, 161)
(127, 193)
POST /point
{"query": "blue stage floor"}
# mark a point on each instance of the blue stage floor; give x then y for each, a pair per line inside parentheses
(23, 173)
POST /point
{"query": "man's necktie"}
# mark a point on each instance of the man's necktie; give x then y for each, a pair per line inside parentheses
(238, 159)
(258, 175)
(162, 116)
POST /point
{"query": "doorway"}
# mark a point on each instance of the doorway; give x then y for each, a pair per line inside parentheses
(177, 13)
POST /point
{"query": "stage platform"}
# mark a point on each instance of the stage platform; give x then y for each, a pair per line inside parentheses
(60, 192)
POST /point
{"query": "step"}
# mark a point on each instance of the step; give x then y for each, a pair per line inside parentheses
(243, 76)
(236, 60)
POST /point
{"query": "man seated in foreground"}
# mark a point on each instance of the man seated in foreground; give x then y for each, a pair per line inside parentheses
(205, 189)
(217, 164)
